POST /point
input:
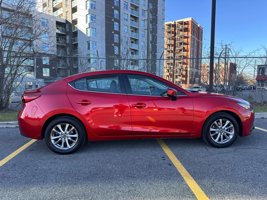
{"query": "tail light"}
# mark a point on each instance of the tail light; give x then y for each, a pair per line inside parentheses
(30, 95)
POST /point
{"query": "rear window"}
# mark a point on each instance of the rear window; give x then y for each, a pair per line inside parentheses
(109, 84)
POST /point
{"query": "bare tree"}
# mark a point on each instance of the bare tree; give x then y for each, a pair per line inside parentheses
(17, 34)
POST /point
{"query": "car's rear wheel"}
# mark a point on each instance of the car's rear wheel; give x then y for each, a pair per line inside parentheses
(64, 135)
(220, 130)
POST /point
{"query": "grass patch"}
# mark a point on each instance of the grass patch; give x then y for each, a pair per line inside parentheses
(260, 108)
(8, 116)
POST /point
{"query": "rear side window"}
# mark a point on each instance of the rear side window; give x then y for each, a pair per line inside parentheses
(108, 84)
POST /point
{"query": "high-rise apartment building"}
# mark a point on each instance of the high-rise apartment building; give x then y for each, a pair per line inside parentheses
(183, 52)
(111, 34)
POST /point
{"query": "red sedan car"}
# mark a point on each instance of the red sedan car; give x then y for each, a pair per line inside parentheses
(111, 105)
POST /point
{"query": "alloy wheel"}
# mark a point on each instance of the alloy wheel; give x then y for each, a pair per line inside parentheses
(64, 136)
(222, 131)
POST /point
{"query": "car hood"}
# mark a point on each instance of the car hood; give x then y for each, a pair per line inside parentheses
(217, 95)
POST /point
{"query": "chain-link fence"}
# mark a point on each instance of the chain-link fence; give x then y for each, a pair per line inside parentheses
(241, 76)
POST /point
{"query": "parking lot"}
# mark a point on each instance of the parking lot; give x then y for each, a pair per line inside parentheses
(141, 169)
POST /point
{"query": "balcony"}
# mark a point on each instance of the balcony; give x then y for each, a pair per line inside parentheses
(75, 52)
(74, 3)
(134, 46)
(61, 65)
(61, 30)
(61, 53)
(136, 2)
(74, 28)
(74, 40)
(57, 3)
(134, 23)
(135, 12)
(75, 16)
(134, 35)
(135, 56)
(58, 13)
(61, 41)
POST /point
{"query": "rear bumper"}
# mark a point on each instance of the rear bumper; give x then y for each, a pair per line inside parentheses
(29, 122)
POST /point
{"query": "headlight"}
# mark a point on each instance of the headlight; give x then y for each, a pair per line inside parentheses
(245, 105)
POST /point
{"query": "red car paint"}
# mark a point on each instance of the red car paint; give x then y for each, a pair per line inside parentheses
(110, 116)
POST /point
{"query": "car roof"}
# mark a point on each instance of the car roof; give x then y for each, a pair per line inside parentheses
(93, 73)
(104, 72)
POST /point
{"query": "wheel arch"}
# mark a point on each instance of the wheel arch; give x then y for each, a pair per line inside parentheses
(51, 118)
(237, 118)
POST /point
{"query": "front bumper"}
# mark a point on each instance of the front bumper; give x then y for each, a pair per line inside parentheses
(248, 124)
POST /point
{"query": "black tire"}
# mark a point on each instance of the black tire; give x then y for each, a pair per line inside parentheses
(72, 139)
(211, 132)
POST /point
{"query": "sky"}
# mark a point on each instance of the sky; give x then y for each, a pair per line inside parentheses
(241, 23)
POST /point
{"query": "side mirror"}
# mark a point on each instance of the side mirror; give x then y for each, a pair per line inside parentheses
(172, 93)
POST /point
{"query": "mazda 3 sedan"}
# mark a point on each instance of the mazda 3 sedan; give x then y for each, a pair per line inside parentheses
(122, 104)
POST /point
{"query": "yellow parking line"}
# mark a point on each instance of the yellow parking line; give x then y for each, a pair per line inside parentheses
(261, 129)
(15, 153)
(198, 192)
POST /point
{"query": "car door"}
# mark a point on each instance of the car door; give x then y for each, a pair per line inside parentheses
(101, 100)
(153, 112)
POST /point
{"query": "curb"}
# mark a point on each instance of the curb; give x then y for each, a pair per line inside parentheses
(14, 124)
(9, 124)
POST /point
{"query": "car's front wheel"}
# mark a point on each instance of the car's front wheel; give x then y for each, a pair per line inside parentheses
(220, 130)
(64, 135)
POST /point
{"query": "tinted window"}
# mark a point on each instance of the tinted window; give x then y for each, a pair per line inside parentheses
(108, 84)
(142, 85)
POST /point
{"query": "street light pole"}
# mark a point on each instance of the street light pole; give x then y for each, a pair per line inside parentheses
(212, 41)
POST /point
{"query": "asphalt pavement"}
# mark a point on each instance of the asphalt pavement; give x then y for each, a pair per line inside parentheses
(137, 169)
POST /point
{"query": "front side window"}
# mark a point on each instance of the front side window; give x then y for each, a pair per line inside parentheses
(108, 84)
(142, 85)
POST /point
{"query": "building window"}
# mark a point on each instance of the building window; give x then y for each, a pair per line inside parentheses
(116, 38)
(116, 2)
(125, 29)
(46, 72)
(125, 5)
(93, 18)
(143, 13)
(45, 47)
(90, 18)
(116, 50)
(116, 62)
(142, 45)
(87, 18)
(116, 26)
(116, 14)
(92, 4)
(91, 32)
(88, 45)
(44, 23)
(143, 34)
(92, 45)
(44, 36)
(45, 60)
(142, 23)
(125, 17)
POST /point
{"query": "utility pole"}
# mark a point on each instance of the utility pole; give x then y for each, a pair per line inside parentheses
(225, 65)
(148, 53)
(212, 41)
